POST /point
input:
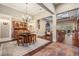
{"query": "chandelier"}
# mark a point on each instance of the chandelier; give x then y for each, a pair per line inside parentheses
(27, 17)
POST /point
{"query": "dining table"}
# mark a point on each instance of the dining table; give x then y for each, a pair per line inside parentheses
(28, 37)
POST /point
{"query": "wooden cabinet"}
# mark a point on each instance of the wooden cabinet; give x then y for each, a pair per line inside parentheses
(18, 27)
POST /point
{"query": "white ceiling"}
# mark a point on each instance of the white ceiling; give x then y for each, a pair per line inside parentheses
(56, 4)
(31, 8)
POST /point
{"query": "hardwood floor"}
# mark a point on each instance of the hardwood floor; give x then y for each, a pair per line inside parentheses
(36, 50)
(58, 49)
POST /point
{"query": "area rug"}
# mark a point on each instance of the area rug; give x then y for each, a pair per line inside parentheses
(12, 49)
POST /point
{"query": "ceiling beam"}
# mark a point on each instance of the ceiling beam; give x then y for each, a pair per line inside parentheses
(43, 6)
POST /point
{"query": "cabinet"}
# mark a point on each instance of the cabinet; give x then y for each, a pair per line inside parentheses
(18, 27)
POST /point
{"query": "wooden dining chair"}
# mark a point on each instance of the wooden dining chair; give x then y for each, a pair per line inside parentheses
(19, 39)
(33, 38)
(26, 39)
(29, 39)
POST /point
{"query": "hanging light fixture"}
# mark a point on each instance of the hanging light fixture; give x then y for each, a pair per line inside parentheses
(27, 17)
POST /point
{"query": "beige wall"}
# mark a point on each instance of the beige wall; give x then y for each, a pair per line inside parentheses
(66, 6)
(41, 31)
(9, 13)
(5, 29)
(42, 23)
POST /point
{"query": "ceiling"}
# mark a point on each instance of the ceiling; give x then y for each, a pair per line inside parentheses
(56, 4)
(31, 8)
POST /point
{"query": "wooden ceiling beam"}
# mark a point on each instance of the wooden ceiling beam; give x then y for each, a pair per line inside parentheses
(43, 6)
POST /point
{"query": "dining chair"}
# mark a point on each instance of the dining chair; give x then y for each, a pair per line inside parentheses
(33, 38)
(19, 39)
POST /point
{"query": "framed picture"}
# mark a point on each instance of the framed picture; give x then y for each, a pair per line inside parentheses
(38, 24)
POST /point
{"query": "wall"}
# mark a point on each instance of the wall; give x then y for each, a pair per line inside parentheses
(40, 16)
(5, 29)
(8, 14)
(66, 6)
(41, 31)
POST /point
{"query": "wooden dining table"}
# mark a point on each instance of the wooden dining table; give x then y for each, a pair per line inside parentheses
(27, 37)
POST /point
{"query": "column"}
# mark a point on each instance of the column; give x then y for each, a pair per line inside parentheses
(54, 28)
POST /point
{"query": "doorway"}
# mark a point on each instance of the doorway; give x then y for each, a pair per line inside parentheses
(67, 22)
